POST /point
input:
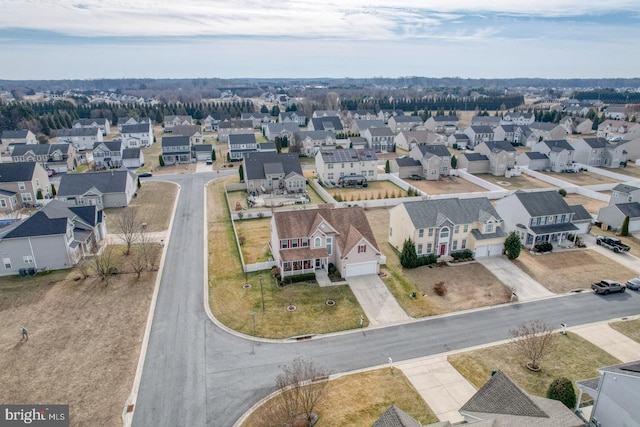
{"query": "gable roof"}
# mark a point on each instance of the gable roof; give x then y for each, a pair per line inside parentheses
(431, 213)
(326, 123)
(236, 124)
(625, 188)
(430, 150)
(543, 126)
(15, 134)
(114, 181)
(133, 153)
(406, 119)
(347, 155)
(406, 161)
(542, 203)
(137, 128)
(396, 417)
(40, 149)
(259, 164)
(316, 135)
(534, 155)
(475, 157)
(497, 146)
(115, 145)
(175, 141)
(188, 130)
(580, 213)
(380, 131)
(17, 171)
(444, 118)
(38, 224)
(90, 122)
(77, 132)
(632, 209)
(596, 142)
(558, 145)
(481, 129)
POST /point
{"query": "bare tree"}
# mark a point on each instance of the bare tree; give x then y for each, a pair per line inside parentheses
(302, 385)
(533, 340)
(143, 254)
(103, 263)
(128, 226)
(295, 145)
(332, 101)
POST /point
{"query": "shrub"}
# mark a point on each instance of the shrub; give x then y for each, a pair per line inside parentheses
(408, 256)
(512, 245)
(440, 289)
(332, 268)
(463, 254)
(561, 389)
(562, 192)
(429, 259)
(299, 278)
(543, 247)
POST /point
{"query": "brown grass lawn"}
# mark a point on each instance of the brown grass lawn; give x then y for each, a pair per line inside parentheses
(232, 304)
(446, 186)
(630, 328)
(375, 190)
(152, 154)
(155, 203)
(582, 178)
(565, 271)
(358, 400)
(468, 286)
(573, 357)
(522, 182)
(632, 170)
(591, 205)
(84, 341)
(256, 233)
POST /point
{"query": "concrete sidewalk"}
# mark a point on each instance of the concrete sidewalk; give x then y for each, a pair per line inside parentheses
(613, 342)
(525, 287)
(440, 385)
(376, 300)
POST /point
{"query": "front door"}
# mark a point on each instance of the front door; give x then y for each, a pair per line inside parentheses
(317, 262)
(443, 249)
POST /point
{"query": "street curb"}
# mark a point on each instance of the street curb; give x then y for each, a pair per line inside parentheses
(127, 415)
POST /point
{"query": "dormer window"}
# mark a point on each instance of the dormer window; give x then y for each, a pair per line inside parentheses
(317, 242)
(489, 227)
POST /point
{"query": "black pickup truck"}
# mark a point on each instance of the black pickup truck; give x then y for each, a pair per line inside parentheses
(607, 286)
(612, 243)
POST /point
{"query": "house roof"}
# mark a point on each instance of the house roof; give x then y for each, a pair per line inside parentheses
(396, 417)
(242, 138)
(407, 161)
(114, 181)
(558, 145)
(259, 164)
(131, 153)
(279, 127)
(326, 123)
(89, 122)
(430, 150)
(316, 135)
(406, 119)
(236, 124)
(625, 188)
(77, 132)
(37, 149)
(632, 210)
(365, 124)
(137, 128)
(17, 171)
(115, 145)
(38, 224)
(348, 155)
(461, 137)
(497, 146)
(481, 129)
(267, 146)
(15, 134)
(380, 131)
(292, 114)
(542, 203)
(350, 223)
(596, 142)
(202, 147)
(188, 130)
(580, 213)
(181, 118)
(445, 118)
(431, 213)
(475, 157)
(534, 155)
(175, 141)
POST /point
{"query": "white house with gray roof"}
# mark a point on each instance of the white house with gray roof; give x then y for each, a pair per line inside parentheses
(330, 123)
(409, 139)
(171, 121)
(545, 130)
(378, 138)
(136, 135)
(107, 154)
(599, 152)
(334, 164)
(533, 160)
(624, 193)
(443, 226)
(240, 144)
(269, 172)
(102, 124)
(10, 138)
(434, 158)
(404, 123)
(442, 124)
(297, 117)
(176, 150)
(478, 134)
(559, 152)
(82, 139)
(111, 189)
(313, 141)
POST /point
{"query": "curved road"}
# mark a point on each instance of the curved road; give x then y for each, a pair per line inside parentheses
(196, 374)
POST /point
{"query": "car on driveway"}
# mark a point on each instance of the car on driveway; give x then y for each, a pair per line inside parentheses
(634, 284)
(50, 172)
(416, 177)
(145, 175)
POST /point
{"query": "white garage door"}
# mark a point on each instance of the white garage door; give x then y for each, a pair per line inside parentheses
(489, 250)
(361, 269)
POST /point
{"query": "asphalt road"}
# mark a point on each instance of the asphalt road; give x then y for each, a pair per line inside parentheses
(196, 374)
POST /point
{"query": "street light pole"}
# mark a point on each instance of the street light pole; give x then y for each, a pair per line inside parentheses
(262, 293)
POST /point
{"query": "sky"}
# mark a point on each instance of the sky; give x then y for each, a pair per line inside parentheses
(86, 39)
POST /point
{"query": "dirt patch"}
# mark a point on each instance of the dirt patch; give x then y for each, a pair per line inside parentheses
(84, 342)
(521, 182)
(446, 186)
(565, 271)
(582, 178)
(375, 190)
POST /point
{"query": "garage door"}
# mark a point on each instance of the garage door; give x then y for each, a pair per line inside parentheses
(489, 250)
(361, 269)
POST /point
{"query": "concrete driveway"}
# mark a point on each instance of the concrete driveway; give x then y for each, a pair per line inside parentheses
(520, 282)
(377, 302)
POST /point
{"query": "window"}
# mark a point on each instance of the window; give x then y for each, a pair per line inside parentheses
(7, 263)
(465, 229)
(444, 233)
(629, 198)
(421, 232)
(489, 227)
(26, 197)
(463, 245)
(615, 194)
(294, 243)
(305, 242)
(21, 186)
(419, 248)
(3, 203)
(284, 244)
(28, 259)
(317, 242)
(429, 248)
(362, 248)
(455, 245)
(430, 232)
(329, 245)
(456, 230)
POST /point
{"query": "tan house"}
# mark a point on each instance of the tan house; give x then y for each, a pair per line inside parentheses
(405, 123)
(21, 183)
(444, 226)
(435, 160)
(11, 138)
(305, 241)
(407, 140)
(501, 154)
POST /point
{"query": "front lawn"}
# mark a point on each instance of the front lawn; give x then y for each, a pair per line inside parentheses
(154, 202)
(630, 328)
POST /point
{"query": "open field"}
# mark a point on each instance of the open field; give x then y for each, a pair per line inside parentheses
(446, 186)
(522, 182)
(228, 298)
(84, 340)
(468, 286)
(569, 270)
(256, 234)
(582, 178)
(153, 210)
(591, 205)
(572, 357)
(358, 400)
(630, 328)
(375, 190)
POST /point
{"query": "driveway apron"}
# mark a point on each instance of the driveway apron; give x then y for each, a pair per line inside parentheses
(377, 302)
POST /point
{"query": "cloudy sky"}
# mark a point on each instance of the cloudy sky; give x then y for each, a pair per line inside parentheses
(58, 39)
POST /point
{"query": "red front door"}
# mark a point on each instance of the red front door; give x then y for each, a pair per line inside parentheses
(443, 249)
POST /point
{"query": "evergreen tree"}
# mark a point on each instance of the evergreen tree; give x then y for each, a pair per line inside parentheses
(512, 245)
(409, 257)
(387, 167)
(264, 109)
(241, 173)
(454, 162)
(561, 389)
(624, 231)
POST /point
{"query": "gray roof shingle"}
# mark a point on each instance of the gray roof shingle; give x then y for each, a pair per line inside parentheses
(114, 181)
(17, 171)
(431, 213)
(542, 203)
(258, 164)
(396, 417)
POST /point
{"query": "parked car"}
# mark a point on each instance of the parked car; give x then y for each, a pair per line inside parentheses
(145, 175)
(607, 286)
(634, 284)
(416, 177)
(50, 172)
(612, 243)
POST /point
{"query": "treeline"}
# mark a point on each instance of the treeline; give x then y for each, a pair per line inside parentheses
(502, 102)
(43, 118)
(609, 96)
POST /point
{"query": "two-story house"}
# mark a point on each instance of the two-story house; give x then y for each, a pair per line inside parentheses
(234, 127)
(132, 121)
(519, 118)
(599, 152)
(22, 184)
(624, 193)
(330, 123)
(315, 140)
(240, 144)
(266, 172)
(434, 158)
(171, 121)
(102, 124)
(409, 139)
(533, 160)
(280, 130)
(501, 154)
(176, 150)
(136, 135)
(611, 129)
(379, 138)
(541, 216)
(385, 114)
(550, 131)
(443, 226)
(309, 240)
(212, 121)
(297, 117)
(60, 158)
(360, 125)
(559, 152)
(11, 138)
(108, 154)
(82, 139)
(442, 124)
(478, 134)
(403, 123)
(194, 132)
(335, 164)
(257, 119)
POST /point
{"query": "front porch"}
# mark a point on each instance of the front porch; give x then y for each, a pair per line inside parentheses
(556, 234)
(294, 268)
